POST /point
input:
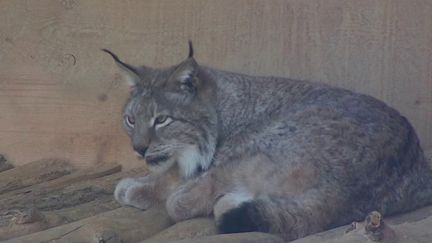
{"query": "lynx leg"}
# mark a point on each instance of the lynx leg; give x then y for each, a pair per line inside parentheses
(195, 198)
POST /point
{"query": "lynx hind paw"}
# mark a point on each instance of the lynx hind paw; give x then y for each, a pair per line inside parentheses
(133, 193)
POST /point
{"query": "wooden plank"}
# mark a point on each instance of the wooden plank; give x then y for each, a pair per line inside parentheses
(51, 204)
(33, 173)
(58, 184)
(410, 230)
(186, 230)
(250, 237)
(51, 195)
(61, 97)
(120, 225)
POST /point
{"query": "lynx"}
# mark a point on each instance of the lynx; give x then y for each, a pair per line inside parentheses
(266, 154)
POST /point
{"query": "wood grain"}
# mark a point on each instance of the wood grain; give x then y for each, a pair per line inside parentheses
(61, 97)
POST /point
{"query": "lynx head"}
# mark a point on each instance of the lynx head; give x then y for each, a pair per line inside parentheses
(170, 116)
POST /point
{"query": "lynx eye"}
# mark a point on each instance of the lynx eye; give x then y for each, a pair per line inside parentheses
(161, 121)
(130, 121)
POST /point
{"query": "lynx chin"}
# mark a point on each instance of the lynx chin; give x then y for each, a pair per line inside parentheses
(266, 154)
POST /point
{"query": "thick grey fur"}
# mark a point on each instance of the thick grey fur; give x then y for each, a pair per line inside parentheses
(296, 157)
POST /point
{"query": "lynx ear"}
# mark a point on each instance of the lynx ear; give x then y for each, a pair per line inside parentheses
(186, 75)
(131, 72)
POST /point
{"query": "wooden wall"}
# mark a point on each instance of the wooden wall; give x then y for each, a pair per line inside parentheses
(62, 97)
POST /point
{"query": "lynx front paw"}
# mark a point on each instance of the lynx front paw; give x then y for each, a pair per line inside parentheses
(132, 192)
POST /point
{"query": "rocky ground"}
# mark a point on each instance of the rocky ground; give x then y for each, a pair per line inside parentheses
(53, 201)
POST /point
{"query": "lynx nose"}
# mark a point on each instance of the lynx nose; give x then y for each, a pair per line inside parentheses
(140, 150)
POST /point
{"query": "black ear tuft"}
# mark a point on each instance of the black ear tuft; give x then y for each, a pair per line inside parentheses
(120, 62)
(132, 74)
(114, 56)
(191, 50)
